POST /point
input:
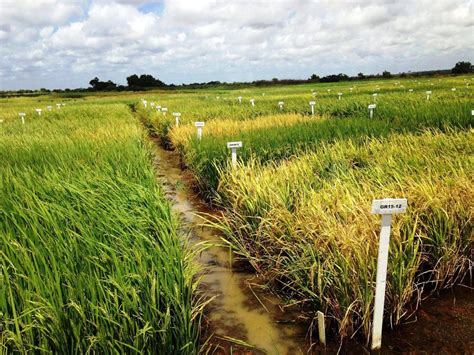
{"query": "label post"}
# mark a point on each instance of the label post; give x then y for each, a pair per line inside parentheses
(233, 147)
(386, 207)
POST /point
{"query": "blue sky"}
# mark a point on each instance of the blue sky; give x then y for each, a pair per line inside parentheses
(65, 43)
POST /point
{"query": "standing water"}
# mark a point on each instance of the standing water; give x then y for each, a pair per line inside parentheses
(238, 312)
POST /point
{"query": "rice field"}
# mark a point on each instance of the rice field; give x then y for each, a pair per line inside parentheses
(297, 205)
(91, 260)
(91, 255)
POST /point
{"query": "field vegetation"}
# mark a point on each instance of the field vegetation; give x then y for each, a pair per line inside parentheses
(90, 257)
(297, 205)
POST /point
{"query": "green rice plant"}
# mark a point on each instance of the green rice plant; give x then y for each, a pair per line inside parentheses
(305, 224)
(90, 256)
(204, 158)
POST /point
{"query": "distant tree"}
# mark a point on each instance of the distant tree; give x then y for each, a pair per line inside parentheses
(98, 85)
(334, 78)
(386, 74)
(361, 76)
(462, 68)
(275, 80)
(133, 80)
(94, 82)
(314, 78)
(143, 81)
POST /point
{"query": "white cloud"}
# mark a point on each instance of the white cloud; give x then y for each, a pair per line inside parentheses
(52, 42)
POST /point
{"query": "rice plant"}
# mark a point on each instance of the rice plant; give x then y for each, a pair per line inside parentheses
(90, 257)
(306, 224)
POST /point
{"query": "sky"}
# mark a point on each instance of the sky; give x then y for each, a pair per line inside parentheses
(66, 43)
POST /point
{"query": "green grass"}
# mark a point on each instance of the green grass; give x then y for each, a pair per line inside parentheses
(90, 257)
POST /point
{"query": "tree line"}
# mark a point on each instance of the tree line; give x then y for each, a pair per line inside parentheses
(134, 83)
(148, 82)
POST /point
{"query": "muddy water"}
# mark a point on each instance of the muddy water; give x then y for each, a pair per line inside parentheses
(240, 309)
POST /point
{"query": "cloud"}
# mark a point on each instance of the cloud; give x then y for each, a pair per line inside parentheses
(53, 43)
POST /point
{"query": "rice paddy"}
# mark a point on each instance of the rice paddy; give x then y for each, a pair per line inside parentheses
(91, 260)
(92, 257)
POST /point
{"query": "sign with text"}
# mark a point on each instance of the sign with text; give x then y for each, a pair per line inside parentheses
(389, 206)
(231, 145)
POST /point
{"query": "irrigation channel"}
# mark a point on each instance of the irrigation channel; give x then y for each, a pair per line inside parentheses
(242, 310)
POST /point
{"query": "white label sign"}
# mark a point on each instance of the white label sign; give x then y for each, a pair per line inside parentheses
(176, 114)
(389, 206)
(372, 106)
(199, 124)
(22, 114)
(231, 145)
(164, 109)
(312, 103)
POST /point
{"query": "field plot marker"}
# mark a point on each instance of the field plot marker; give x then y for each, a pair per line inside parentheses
(321, 328)
(144, 103)
(164, 110)
(410, 90)
(312, 103)
(453, 89)
(152, 104)
(58, 106)
(158, 108)
(38, 110)
(49, 108)
(240, 99)
(386, 207)
(371, 110)
(199, 126)
(339, 94)
(375, 96)
(428, 95)
(177, 115)
(280, 104)
(22, 116)
(252, 101)
(233, 146)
